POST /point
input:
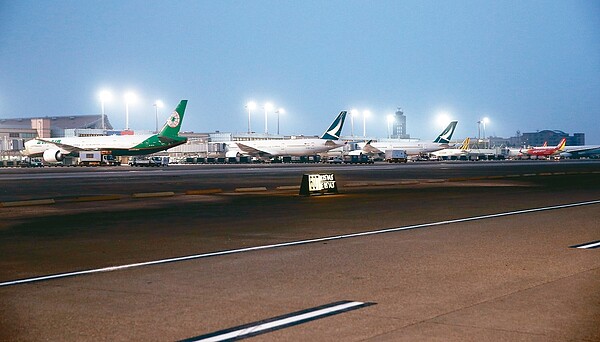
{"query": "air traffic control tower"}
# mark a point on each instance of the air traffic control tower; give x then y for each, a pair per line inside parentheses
(399, 125)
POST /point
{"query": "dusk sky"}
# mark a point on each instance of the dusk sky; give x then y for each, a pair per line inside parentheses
(527, 65)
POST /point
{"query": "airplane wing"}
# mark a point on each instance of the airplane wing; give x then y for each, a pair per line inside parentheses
(251, 150)
(582, 148)
(66, 147)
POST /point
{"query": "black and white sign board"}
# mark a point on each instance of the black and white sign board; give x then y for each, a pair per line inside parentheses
(323, 183)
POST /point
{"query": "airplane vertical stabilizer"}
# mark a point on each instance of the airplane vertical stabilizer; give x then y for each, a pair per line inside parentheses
(335, 129)
(446, 135)
(173, 124)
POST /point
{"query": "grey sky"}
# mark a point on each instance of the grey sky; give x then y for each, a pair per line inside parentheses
(527, 65)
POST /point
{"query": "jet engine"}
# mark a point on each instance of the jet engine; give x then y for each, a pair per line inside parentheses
(53, 156)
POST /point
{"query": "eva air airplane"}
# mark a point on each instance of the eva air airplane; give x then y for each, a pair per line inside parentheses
(54, 150)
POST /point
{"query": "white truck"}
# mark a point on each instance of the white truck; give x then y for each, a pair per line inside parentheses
(149, 161)
(396, 156)
(96, 158)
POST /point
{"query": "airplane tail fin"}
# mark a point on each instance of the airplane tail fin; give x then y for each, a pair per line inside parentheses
(446, 135)
(465, 144)
(173, 124)
(561, 144)
(335, 129)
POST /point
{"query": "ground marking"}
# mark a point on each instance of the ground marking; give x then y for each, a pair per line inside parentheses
(280, 322)
(292, 243)
(588, 245)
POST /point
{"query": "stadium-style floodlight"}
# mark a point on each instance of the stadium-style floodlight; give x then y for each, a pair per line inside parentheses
(250, 106)
(279, 111)
(105, 96)
(268, 107)
(157, 104)
(130, 97)
(390, 120)
(365, 114)
(353, 113)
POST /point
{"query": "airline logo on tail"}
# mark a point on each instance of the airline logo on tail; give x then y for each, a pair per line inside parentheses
(171, 128)
(446, 135)
(334, 131)
(465, 144)
(561, 145)
(173, 120)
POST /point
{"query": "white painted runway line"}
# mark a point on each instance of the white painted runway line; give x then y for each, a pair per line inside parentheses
(292, 243)
(280, 322)
(588, 245)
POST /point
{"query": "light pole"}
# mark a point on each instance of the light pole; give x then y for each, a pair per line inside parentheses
(353, 113)
(365, 114)
(485, 120)
(250, 106)
(390, 120)
(482, 121)
(129, 98)
(157, 104)
(279, 111)
(268, 106)
(105, 96)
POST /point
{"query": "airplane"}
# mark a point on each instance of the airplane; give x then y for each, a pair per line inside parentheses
(296, 147)
(413, 148)
(539, 151)
(54, 150)
(463, 150)
(580, 151)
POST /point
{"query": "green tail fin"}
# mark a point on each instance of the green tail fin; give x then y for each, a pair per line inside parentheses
(173, 124)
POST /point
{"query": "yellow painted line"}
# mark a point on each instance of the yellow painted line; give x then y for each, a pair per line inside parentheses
(98, 198)
(27, 203)
(203, 191)
(436, 180)
(258, 188)
(409, 182)
(355, 184)
(288, 187)
(153, 194)
(384, 183)
(495, 177)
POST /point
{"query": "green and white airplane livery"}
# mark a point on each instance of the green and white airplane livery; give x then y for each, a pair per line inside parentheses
(54, 150)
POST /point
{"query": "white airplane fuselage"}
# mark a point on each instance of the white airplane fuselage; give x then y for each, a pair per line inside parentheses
(411, 148)
(289, 147)
(36, 147)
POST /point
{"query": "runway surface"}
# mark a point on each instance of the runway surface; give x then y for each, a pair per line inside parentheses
(447, 251)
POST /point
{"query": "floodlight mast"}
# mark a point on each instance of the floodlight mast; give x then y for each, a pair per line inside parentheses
(130, 97)
(105, 96)
(250, 106)
(157, 104)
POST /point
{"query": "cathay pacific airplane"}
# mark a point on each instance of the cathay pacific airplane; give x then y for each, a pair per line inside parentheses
(296, 147)
(412, 148)
(54, 150)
